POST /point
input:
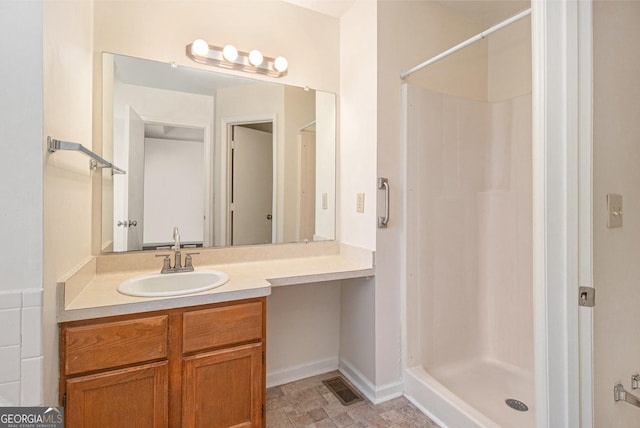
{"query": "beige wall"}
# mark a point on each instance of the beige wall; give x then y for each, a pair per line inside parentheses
(616, 156)
(75, 34)
(509, 61)
(161, 30)
(299, 109)
(67, 107)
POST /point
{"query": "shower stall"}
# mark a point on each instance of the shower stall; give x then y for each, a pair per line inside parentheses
(468, 274)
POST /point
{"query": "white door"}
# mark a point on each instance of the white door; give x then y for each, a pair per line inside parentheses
(135, 182)
(251, 186)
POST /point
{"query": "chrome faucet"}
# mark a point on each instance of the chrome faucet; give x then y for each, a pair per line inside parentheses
(176, 249)
(177, 265)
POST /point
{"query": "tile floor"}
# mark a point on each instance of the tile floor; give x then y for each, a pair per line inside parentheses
(308, 403)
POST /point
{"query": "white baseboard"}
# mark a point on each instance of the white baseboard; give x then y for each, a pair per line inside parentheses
(373, 393)
(301, 371)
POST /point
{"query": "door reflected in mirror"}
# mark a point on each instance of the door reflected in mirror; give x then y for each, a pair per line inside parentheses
(228, 160)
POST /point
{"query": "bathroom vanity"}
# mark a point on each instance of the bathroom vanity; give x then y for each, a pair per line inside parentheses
(200, 366)
(196, 360)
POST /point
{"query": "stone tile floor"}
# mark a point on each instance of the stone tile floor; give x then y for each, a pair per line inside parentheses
(308, 403)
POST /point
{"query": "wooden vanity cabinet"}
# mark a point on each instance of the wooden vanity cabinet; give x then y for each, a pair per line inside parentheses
(201, 366)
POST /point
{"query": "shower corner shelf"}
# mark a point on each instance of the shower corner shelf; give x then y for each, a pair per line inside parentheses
(96, 161)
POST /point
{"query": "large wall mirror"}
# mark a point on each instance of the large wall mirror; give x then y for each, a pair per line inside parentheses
(228, 160)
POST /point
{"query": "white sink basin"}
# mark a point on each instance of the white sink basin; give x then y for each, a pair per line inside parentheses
(173, 284)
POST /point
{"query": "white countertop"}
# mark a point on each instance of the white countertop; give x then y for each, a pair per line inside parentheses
(98, 295)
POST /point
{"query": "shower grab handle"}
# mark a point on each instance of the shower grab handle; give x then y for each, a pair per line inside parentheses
(620, 394)
(383, 183)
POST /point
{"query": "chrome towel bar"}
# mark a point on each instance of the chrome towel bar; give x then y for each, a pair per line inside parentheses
(96, 161)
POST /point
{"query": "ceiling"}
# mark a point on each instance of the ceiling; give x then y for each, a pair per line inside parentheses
(484, 12)
(335, 8)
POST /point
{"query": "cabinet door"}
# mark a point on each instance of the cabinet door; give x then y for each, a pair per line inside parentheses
(134, 397)
(224, 388)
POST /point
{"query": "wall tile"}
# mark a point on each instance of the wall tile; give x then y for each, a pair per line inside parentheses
(31, 297)
(10, 394)
(10, 367)
(31, 332)
(10, 300)
(31, 382)
(10, 331)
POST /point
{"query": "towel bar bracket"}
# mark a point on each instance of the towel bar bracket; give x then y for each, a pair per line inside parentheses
(95, 162)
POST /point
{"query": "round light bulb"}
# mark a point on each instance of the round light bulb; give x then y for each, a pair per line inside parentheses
(199, 47)
(281, 64)
(255, 57)
(230, 53)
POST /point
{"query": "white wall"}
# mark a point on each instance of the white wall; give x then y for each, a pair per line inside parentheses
(357, 174)
(21, 139)
(303, 331)
(67, 109)
(358, 115)
(21, 200)
(326, 134)
(616, 155)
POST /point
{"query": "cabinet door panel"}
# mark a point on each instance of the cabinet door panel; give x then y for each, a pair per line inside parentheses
(224, 388)
(134, 397)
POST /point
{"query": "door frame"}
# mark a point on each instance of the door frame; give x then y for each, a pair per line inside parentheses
(585, 213)
(225, 172)
(561, 36)
(208, 198)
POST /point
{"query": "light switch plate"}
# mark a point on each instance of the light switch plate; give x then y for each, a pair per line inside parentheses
(360, 202)
(614, 208)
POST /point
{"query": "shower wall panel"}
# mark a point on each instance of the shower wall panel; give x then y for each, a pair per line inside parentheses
(469, 221)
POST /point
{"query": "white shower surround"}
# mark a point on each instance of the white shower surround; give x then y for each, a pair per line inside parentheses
(469, 289)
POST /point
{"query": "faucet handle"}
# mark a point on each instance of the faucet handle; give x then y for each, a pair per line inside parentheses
(166, 262)
(188, 262)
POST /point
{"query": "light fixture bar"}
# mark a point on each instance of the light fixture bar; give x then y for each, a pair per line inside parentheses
(214, 56)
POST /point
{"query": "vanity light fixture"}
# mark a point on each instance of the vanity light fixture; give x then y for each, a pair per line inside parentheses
(230, 53)
(255, 57)
(230, 57)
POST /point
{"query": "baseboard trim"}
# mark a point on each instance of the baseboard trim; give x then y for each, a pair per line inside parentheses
(374, 394)
(301, 371)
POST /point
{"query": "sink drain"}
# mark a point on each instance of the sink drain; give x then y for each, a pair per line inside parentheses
(516, 405)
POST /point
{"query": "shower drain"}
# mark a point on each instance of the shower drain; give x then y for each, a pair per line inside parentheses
(516, 405)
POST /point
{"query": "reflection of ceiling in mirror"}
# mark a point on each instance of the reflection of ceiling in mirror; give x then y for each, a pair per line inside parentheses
(167, 132)
(154, 74)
